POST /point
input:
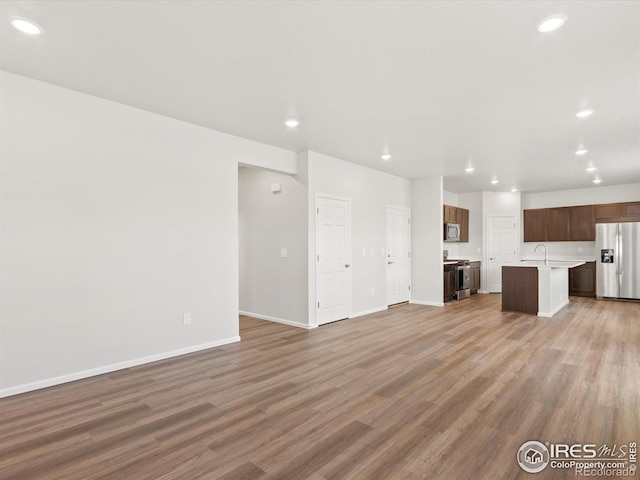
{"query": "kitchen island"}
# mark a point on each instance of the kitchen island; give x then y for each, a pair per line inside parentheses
(536, 287)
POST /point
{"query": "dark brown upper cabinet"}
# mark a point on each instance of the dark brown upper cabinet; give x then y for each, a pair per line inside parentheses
(464, 224)
(460, 216)
(630, 211)
(449, 214)
(558, 224)
(535, 225)
(575, 223)
(607, 213)
(583, 225)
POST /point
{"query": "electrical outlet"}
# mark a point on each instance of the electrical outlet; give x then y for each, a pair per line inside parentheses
(364, 251)
(580, 250)
(284, 253)
(187, 318)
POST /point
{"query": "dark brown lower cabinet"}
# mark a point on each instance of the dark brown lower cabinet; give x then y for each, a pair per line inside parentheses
(582, 280)
(475, 277)
(520, 289)
(450, 273)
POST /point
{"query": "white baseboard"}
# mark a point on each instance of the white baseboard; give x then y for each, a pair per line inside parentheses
(554, 311)
(278, 320)
(429, 304)
(367, 312)
(71, 377)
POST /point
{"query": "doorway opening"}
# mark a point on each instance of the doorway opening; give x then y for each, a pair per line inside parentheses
(272, 246)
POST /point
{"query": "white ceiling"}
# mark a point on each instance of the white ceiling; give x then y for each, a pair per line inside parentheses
(437, 84)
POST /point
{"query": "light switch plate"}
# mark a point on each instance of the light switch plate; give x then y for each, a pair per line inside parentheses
(284, 253)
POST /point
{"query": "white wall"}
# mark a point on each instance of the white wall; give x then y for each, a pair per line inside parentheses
(271, 286)
(567, 198)
(501, 203)
(450, 198)
(115, 222)
(427, 241)
(370, 192)
(582, 196)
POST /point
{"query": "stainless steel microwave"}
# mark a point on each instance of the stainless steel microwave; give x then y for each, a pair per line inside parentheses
(451, 232)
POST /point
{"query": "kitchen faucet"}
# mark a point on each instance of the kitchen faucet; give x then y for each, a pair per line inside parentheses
(546, 260)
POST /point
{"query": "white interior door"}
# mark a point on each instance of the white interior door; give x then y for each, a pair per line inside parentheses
(501, 248)
(398, 255)
(333, 259)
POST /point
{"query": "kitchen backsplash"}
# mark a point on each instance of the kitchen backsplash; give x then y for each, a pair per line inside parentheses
(464, 250)
(556, 250)
(560, 251)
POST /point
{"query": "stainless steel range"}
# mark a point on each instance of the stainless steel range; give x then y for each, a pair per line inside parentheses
(463, 279)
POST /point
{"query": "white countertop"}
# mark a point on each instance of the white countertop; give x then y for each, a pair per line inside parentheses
(451, 262)
(550, 264)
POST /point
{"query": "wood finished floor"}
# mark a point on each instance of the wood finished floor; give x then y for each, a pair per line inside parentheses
(410, 393)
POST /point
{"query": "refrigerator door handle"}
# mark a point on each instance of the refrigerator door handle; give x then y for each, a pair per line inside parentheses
(620, 255)
(629, 260)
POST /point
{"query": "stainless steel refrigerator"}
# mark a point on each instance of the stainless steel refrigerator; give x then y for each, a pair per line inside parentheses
(618, 260)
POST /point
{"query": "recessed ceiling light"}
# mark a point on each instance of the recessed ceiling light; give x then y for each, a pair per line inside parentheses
(591, 169)
(514, 190)
(552, 23)
(469, 169)
(596, 180)
(584, 113)
(494, 181)
(581, 151)
(292, 123)
(26, 26)
(386, 156)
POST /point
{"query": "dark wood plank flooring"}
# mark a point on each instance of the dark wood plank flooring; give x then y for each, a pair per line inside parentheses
(410, 393)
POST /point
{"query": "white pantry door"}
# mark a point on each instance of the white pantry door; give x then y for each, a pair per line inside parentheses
(398, 255)
(501, 248)
(333, 259)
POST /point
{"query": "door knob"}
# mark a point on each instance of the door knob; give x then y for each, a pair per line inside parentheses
(346, 265)
(389, 263)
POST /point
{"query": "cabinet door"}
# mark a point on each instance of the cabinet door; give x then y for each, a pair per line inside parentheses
(535, 225)
(475, 280)
(463, 215)
(558, 224)
(449, 283)
(582, 280)
(630, 211)
(449, 214)
(583, 226)
(607, 213)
